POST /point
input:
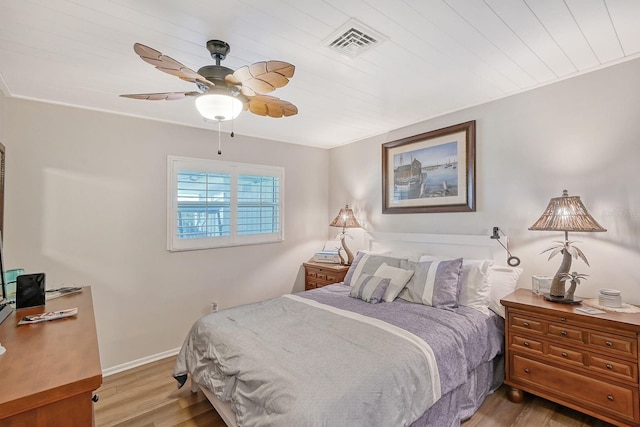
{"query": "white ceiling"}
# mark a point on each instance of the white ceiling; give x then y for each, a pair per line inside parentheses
(437, 56)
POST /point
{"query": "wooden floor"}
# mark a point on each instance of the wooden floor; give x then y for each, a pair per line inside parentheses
(148, 397)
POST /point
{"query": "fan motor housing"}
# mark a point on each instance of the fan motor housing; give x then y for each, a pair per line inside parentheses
(215, 73)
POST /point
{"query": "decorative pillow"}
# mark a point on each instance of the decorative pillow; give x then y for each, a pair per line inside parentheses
(503, 281)
(399, 278)
(367, 263)
(474, 286)
(370, 288)
(435, 283)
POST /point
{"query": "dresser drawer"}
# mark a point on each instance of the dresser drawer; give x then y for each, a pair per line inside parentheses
(566, 333)
(572, 387)
(615, 368)
(523, 323)
(527, 344)
(614, 344)
(566, 355)
(332, 278)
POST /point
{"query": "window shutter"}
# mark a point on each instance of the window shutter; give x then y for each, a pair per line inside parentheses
(215, 204)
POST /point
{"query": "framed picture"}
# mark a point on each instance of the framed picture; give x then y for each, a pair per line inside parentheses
(430, 172)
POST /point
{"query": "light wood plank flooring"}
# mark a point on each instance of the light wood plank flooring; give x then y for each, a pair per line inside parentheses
(147, 396)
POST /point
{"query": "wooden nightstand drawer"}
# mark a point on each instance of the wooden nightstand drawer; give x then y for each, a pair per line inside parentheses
(566, 355)
(615, 368)
(602, 396)
(570, 334)
(615, 344)
(527, 344)
(333, 278)
(526, 324)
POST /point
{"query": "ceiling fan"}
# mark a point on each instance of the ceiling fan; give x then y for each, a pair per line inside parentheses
(223, 93)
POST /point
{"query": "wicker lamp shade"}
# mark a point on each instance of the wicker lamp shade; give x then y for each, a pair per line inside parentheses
(345, 219)
(566, 213)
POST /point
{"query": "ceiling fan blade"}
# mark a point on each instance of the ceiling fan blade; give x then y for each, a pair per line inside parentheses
(262, 77)
(169, 65)
(264, 105)
(257, 86)
(165, 96)
(281, 67)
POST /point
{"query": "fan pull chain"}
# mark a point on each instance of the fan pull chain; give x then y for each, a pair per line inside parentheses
(219, 144)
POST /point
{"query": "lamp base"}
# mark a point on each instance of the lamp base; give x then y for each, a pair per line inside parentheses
(562, 300)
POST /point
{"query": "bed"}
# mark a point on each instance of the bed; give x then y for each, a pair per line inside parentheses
(410, 338)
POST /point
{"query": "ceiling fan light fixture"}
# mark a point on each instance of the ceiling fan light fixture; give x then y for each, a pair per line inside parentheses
(218, 106)
(224, 93)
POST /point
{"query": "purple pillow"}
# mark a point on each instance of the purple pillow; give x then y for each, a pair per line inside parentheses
(370, 288)
(435, 283)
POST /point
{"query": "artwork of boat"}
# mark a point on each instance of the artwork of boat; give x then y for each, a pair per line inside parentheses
(407, 176)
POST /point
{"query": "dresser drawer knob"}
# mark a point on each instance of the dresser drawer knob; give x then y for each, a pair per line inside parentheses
(563, 319)
(610, 397)
(526, 344)
(564, 354)
(609, 343)
(563, 333)
(609, 366)
(526, 370)
(525, 324)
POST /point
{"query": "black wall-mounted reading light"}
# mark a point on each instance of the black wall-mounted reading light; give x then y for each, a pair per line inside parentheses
(513, 261)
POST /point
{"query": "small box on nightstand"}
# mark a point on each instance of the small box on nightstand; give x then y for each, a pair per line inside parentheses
(541, 285)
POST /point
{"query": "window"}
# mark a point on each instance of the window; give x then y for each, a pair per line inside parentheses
(214, 204)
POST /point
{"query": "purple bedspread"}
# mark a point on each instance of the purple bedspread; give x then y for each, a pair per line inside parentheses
(462, 339)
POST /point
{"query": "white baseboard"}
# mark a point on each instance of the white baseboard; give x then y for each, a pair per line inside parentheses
(139, 362)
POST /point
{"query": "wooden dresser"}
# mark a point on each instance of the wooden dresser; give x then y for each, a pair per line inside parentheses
(319, 274)
(51, 369)
(586, 362)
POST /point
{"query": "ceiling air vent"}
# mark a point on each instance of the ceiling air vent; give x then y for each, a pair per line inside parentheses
(353, 38)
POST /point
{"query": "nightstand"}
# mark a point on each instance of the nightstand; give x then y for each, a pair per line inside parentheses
(319, 274)
(586, 362)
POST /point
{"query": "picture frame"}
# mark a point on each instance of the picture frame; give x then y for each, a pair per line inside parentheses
(430, 172)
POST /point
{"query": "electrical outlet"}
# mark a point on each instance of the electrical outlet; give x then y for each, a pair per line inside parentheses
(214, 306)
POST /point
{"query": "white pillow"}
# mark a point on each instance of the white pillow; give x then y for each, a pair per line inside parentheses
(503, 281)
(475, 290)
(399, 278)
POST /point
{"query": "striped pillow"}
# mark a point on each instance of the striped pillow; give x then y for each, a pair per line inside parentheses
(435, 283)
(368, 263)
(370, 288)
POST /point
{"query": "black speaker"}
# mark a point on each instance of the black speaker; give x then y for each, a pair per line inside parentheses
(30, 290)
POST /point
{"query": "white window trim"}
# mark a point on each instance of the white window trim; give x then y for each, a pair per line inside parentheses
(175, 164)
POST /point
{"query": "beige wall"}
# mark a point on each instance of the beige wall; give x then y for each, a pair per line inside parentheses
(3, 103)
(86, 204)
(580, 134)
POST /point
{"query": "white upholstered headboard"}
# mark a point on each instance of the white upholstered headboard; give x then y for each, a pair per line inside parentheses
(446, 245)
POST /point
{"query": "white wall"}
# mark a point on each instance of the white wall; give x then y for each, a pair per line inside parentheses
(86, 204)
(581, 135)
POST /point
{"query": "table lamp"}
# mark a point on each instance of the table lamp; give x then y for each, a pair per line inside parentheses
(345, 219)
(565, 213)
